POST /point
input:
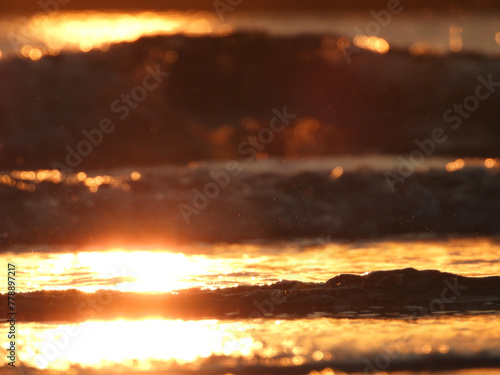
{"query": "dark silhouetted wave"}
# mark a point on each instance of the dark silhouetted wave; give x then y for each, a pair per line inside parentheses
(183, 205)
(405, 293)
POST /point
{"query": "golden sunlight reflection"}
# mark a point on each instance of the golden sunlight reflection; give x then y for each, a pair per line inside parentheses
(84, 31)
(147, 271)
(168, 344)
(455, 165)
(490, 163)
(27, 180)
(337, 172)
(169, 341)
(371, 43)
(167, 269)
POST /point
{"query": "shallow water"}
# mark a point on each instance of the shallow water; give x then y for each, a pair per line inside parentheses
(301, 344)
(457, 339)
(248, 284)
(326, 198)
(157, 269)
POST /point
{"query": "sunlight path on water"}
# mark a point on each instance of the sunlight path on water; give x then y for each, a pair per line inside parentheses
(167, 344)
(210, 266)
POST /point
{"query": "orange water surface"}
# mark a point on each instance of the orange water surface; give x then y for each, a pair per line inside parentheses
(161, 344)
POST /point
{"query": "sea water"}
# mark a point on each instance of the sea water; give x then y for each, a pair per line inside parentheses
(82, 241)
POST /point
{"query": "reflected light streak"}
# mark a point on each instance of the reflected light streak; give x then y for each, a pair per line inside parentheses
(455, 165)
(371, 43)
(167, 269)
(149, 271)
(85, 31)
(138, 344)
(155, 344)
(13, 178)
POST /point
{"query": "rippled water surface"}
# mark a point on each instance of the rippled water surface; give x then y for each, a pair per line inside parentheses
(290, 219)
(166, 269)
(301, 345)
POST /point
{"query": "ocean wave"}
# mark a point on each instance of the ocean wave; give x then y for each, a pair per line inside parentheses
(374, 103)
(405, 293)
(206, 203)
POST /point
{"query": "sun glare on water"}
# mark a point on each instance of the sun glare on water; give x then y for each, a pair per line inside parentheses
(117, 269)
(168, 345)
(141, 271)
(169, 341)
(85, 31)
(168, 269)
